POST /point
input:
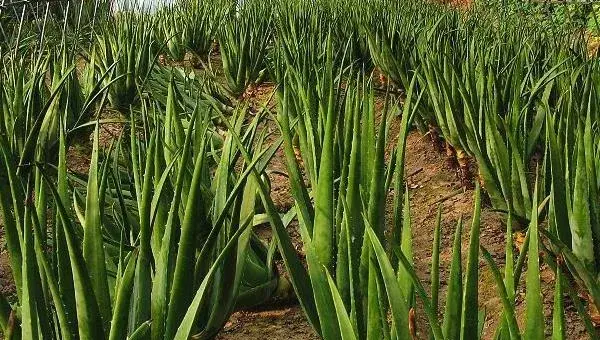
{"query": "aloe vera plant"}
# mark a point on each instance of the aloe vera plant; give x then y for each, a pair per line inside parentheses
(107, 275)
(126, 50)
(203, 25)
(341, 140)
(392, 40)
(187, 84)
(244, 38)
(41, 91)
(170, 29)
(572, 213)
(190, 26)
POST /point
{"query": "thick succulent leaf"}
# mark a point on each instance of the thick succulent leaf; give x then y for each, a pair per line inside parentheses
(533, 298)
(93, 245)
(346, 329)
(118, 326)
(396, 298)
(454, 294)
(470, 307)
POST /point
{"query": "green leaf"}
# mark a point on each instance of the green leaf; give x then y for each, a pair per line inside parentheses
(470, 307)
(454, 294)
(581, 228)
(324, 203)
(181, 296)
(88, 313)
(399, 186)
(397, 299)
(322, 294)
(434, 324)
(435, 262)
(559, 330)
(141, 332)
(118, 325)
(533, 298)
(160, 284)
(143, 276)
(185, 327)
(406, 247)
(346, 329)
(93, 245)
(298, 274)
(559, 193)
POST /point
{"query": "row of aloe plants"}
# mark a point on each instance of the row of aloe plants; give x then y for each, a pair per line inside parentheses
(509, 97)
(109, 255)
(358, 267)
(156, 241)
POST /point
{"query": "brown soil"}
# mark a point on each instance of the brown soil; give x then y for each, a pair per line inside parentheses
(287, 323)
(7, 285)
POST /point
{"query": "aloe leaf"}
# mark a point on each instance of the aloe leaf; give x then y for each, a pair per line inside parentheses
(346, 329)
(558, 312)
(185, 327)
(454, 294)
(298, 274)
(93, 247)
(406, 247)
(48, 282)
(29, 316)
(88, 312)
(143, 278)
(581, 229)
(375, 329)
(577, 268)
(435, 262)
(558, 184)
(324, 203)
(135, 161)
(322, 294)
(397, 299)
(118, 326)
(63, 263)
(181, 296)
(509, 276)
(533, 298)
(377, 194)
(355, 224)
(29, 147)
(405, 123)
(160, 284)
(470, 307)
(141, 332)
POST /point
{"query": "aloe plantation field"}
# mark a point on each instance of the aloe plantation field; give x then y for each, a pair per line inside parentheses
(299, 169)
